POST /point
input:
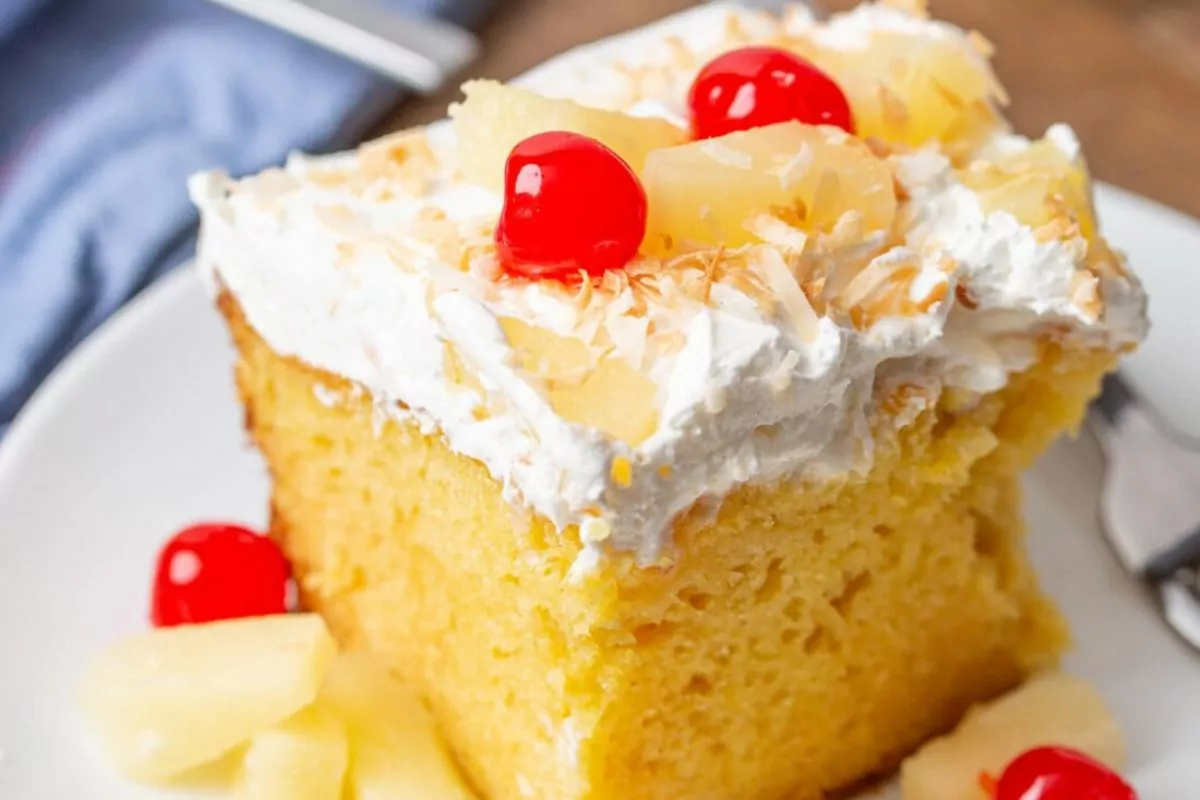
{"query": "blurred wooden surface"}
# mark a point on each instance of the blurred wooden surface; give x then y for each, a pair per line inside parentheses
(1124, 73)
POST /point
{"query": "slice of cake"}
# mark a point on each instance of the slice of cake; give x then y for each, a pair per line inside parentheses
(661, 420)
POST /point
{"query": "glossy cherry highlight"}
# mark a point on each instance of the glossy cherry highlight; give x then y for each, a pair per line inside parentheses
(1060, 773)
(570, 204)
(757, 86)
(212, 572)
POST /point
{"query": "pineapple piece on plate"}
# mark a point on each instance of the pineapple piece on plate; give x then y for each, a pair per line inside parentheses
(494, 117)
(395, 752)
(1051, 709)
(172, 699)
(916, 89)
(1037, 186)
(302, 758)
(609, 395)
(709, 192)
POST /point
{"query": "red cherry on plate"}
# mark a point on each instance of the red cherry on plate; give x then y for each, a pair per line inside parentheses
(213, 572)
(1059, 773)
(757, 86)
(570, 204)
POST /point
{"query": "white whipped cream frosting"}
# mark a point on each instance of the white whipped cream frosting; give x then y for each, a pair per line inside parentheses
(747, 399)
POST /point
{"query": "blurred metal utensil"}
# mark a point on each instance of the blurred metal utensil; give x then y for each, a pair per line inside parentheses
(1151, 502)
(777, 6)
(419, 52)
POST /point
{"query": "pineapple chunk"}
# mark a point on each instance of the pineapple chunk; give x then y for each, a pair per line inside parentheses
(302, 758)
(708, 192)
(1050, 709)
(395, 752)
(915, 89)
(175, 698)
(610, 396)
(1036, 186)
(495, 117)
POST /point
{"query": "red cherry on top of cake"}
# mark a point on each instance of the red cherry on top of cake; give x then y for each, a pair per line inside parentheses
(570, 204)
(212, 572)
(756, 86)
(1060, 773)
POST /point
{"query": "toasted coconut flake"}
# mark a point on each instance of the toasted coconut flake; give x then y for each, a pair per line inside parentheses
(679, 54)
(829, 185)
(774, 270)
(628, 334)
(339, 219)
(980, 43)
(881, 148)
(481, 260)
(1057, 230)
(669, 342)
(345, 254)
(1085, 294)
(964, 297)
(382, 155)
(937, 294)
(798, 166)
(431, 225)
(849, 230)
(328, 178)
(906, 401)
(951, 97)
(879, 290)
(270, 183)
(400, 256)
(735, 30)
(404, 158)
(773, 230)
(723, 154)
(780, 378)
(1104, 261)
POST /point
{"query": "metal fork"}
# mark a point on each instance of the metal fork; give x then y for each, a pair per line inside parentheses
(777, 6)
(1150, 505)
(419, 52)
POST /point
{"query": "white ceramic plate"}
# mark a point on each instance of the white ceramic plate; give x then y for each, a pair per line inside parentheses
(138, 433)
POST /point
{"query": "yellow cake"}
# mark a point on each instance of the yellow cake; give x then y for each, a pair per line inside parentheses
(735, 522)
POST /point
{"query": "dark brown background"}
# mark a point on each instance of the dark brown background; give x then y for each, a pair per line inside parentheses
(1125, 73)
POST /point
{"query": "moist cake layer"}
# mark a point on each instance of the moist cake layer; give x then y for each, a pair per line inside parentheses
(800, 642)
(615, 406)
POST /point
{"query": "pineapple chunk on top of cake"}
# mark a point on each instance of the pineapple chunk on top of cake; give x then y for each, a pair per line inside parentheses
(714, 192)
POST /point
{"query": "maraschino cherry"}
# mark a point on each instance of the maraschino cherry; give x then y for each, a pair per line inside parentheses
(756, 86)
(212, 572)
(1060, 773)
(570, 204)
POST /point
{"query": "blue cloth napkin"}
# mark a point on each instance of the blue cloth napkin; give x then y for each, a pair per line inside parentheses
(106, 106)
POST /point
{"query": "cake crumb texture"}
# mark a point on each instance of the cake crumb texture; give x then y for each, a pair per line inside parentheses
(797, 639)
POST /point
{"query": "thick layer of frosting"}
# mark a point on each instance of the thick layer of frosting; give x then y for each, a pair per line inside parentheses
(343, 263)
